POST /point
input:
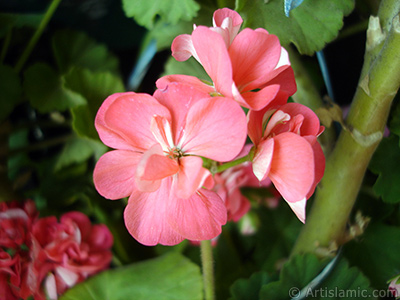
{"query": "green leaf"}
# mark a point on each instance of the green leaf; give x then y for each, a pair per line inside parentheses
(77, 151)
(95, 87)
(165, 33)
(169, 277)
(296, 273)
(342, 283)
(190, 67)
(310, 26)
(385, 163)
(145, 12)
(376, 253)
(73, 48)
(46, 90)
(11, 90)
(9, 21)
(249, 289)
(275, 238)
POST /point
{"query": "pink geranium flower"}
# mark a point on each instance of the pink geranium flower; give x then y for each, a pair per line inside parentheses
(250, 66)
(287, 151)
(160, 142)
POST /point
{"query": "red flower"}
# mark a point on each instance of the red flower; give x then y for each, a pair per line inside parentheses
(69, 251)
(37, 253)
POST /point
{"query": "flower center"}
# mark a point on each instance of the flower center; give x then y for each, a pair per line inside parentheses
(174, 153)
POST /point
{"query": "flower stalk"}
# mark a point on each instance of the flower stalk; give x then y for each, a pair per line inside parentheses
(208, 269)
(233, 163)
(38, 33)
(349, 160)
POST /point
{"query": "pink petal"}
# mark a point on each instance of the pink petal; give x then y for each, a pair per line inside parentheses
(262, 159)
(299, 208)
(179, 98)
(227, 23)
(152, 167)
(106, 134)
(182, 48)
(163, 82)
(114, 173)
(215, 128)
(319, 159)
(219, 20)
(292, 168)
(146, 217)
(100, 238)
(80, 219)
(256, 118)
(260, 99)
(283, 59)
(253, 54)
(310, 124)
(275, 120)
(199, 217)
(236, 214)
(284, 76)
(191, 176)
(214, 57)
(130, 117)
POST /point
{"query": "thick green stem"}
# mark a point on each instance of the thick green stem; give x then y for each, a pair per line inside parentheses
(348, 162)
(208, 269)
(32, 43)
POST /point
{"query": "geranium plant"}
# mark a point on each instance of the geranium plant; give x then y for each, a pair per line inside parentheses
(238, 164)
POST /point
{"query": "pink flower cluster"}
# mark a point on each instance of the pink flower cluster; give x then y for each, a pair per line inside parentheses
(168, 145)
(43, 257)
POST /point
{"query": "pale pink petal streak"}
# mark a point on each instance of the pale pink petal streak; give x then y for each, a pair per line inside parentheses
(310, 124)
(299, 208)
(263, 158)
(228, 19)
(182, 48)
